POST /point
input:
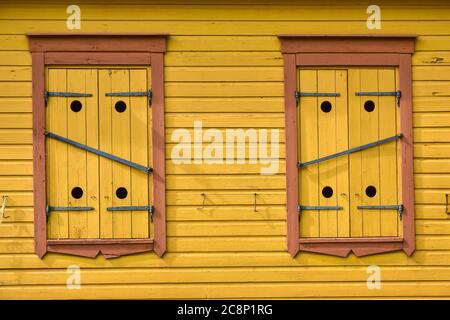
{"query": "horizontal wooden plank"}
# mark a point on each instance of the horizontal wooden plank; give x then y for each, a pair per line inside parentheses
(431, 88)
(432, 166)
(226, 120)
(431, 196)
(16, 136)
(15, 152)
(430, 104)
(195, 212)
(431, 72)
(427, 211)
(243, 12)
(10, 168)
(224, 168)
(177, 27)
(432, 227)
(225, 104)
(15, 89)
(432, 150)
(425, 181)
(15, 120)
(431, 58)
(232, 182)
(224, 89)
(215, 229)
(15, 105)
(250, 259)
(222, 74)
(17, 214)
(15, 73)
(16, 230)
(440, 134)
(16, 183)
(435, 119)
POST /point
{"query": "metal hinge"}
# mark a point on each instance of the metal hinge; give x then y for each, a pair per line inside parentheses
(133, 208)
(63, 94)
(299, 94)
(396, 94)
(397, 207)
(349, 151)
(98, 152)
(48, 209)
(147, 94)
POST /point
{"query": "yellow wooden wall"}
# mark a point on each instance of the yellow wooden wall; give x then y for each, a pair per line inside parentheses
(224, 66)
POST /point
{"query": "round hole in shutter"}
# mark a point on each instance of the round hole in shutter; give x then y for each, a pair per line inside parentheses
(121, 193)
(326, 106)
(327, 192)
(77, 192)
(76, 106)
(369, 105)
(371, 191)
(120, 106)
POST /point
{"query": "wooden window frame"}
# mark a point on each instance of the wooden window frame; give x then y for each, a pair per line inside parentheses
(97, 49)
(351, 51)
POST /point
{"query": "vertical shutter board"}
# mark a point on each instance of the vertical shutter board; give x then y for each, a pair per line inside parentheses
(354, 111)
(342, 170)
(105, 144)
(77, 158)
(57, 156)
(139, 153)
(308, 149)
(92, 161)
(370, 170)
(326, 82)
(121, 174)
(388, 153)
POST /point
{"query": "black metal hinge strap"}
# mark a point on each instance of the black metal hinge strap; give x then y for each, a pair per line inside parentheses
(98, 152)
(133, 208)
(48, 209)
(315, 94)
(398, 207)
(349, 151)
(302, 208)
(396, 94)
(147, 94)
(64, 94)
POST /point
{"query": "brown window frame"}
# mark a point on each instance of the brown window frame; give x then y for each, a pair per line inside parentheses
(50, 49)
(348, 50)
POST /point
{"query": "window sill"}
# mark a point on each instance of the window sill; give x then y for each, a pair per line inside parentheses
(91, 248)
(342, 247)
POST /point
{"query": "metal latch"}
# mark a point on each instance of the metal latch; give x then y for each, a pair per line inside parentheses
(396, 94)
(399, 208)
(349, 151)
(48, 209)
(63, 94)
(98, 152)
(147, 94)
(299, 94)
(133, 208)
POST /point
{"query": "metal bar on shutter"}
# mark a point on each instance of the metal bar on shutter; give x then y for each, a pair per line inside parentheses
(349, 151)
(98, 152)
(133, 208)
(302, 208)
(399, 208)
(64, 94)
(147, 94)
(315, 94)
(48, 209)
(396, 94)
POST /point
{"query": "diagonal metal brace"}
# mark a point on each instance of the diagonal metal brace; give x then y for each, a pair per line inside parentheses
(396, 94)
(63, 94)
(299, 94)
(349, 151)
(133, 208)
(399, 208)
(147, 94)
(98, 152)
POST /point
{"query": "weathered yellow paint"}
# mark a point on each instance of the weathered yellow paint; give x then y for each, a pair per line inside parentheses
(224, 67)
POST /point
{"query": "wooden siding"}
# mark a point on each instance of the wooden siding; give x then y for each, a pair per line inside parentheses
(224, 67)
